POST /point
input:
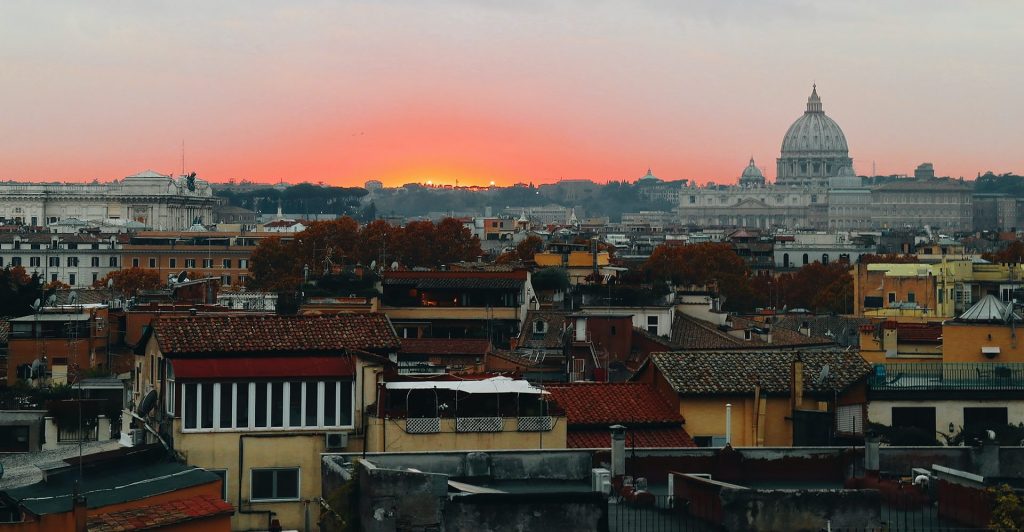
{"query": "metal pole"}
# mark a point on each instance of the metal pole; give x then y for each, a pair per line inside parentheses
(728, 423)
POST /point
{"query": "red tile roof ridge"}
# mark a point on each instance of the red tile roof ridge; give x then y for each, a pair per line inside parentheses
(160, 515)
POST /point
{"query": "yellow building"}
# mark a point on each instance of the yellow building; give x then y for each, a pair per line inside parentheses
(459, 414)
(258, 398)
(926, 292)
(770, 398)
(577, 259)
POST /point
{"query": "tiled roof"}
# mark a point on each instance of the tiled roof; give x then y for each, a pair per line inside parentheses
(446, 346)
(845, 330)
(433, 280)
(639, 437)
(160, 515)
(690, 334)
(551, 338)
(600, 403)
(275, 334)
(916, 332)
(737, 372)
(5, 330)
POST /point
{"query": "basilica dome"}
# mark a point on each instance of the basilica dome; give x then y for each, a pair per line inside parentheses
(751, 175)
(813, 149)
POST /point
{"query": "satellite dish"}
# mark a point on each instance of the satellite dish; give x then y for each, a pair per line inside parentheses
(110, 283)
(373, 265)
(72, 298)
(36, 304)
(183, 276)
(823, 374)
(147, 403)
(394, 265)
(51, 300)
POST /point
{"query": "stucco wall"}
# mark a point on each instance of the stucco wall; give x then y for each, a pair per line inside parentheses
(946, 412)
(389, 435)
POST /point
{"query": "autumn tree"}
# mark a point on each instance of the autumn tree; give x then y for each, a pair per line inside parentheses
(131, 281)
(330, 242)
(701, 264)
(275, 265)
(1011, 254)
(18, 290)
(816, 286)
(376, 242)
(56, 284)
(529, 247)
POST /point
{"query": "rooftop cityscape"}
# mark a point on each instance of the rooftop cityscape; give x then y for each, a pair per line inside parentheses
(472, 267)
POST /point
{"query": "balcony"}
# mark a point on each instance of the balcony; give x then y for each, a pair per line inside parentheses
(953, 376)
(436, 425)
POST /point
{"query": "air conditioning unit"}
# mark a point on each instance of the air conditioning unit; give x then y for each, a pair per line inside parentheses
(336, 441)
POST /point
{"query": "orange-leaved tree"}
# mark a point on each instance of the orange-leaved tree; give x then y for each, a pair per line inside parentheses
(131, 281)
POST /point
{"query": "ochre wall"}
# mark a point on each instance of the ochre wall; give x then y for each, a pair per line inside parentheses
(963, 342)
(388, 435)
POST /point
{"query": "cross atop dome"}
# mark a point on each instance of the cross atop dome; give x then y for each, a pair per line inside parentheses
(814, 102)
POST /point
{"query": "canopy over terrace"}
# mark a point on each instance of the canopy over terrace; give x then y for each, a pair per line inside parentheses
(491, 397)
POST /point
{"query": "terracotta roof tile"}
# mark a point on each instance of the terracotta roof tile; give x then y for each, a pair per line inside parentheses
(551, 338)
(692, 334)
(737, 372)
(638, 437)
(446, 346)
(160, 515)
(250, 334)
(599, 403)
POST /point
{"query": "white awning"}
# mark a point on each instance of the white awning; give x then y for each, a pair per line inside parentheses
(994, 350)
(492, 385)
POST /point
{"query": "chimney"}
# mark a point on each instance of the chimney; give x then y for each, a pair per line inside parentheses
(805, 328)
(618, 450)
(871, 465)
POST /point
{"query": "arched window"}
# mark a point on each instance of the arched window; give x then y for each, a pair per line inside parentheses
(824, 258)
(540, 327)
(785, 260)
(806, 259)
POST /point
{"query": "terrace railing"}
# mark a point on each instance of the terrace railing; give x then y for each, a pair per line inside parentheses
(949, 376)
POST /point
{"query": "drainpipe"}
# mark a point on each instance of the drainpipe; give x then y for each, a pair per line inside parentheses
(728, 424)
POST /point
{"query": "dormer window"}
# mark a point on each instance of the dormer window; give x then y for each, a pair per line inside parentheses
(540, 327)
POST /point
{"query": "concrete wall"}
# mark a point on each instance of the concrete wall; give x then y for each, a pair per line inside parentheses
(390, 499)
(946, 412)
(799, 510)
(565, 512)
(705, 416)
(497, 465)
(389, 435)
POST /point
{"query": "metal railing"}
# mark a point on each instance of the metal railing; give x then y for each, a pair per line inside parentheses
(533, 423)
(965, 376)
(479, 424)
(73, 435)
(423, 425)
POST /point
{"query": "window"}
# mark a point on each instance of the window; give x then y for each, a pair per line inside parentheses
(94, 262)
(921, 418)
(892, 297)
(53, 277)
(261, 405)
(34, 262)
(911, 298)
(152, 262)
(135, 263)
(806, 259)
(540, 328)
(72, 262)
(243, 263)
(223, 474)
(226, 263)
(173, 263)
(190, 263)
(824, 258)
(207, 263)
(71, 279)
(169, 387)
(113, 262)
(274, 484)
(652, 324)
(709, 441)
(95, 277)
(54, 262)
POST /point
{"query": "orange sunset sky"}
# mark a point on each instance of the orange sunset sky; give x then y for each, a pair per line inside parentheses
(531, 91)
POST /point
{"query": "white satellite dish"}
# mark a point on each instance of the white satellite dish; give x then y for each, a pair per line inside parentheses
(36, 304)
(72, 298)
(51, 300)
(823, 374)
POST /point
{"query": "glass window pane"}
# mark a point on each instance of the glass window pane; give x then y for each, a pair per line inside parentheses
(295, 404)
(206, 408)
(227, 404)
(330, 411)
(311, 403)
(242, 396)
(277, 404)
(262, 484)
(190, 405)
(261, 404)
(287, 484)
(345, 415)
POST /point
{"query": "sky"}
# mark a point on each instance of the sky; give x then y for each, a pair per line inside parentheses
(479, 91)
